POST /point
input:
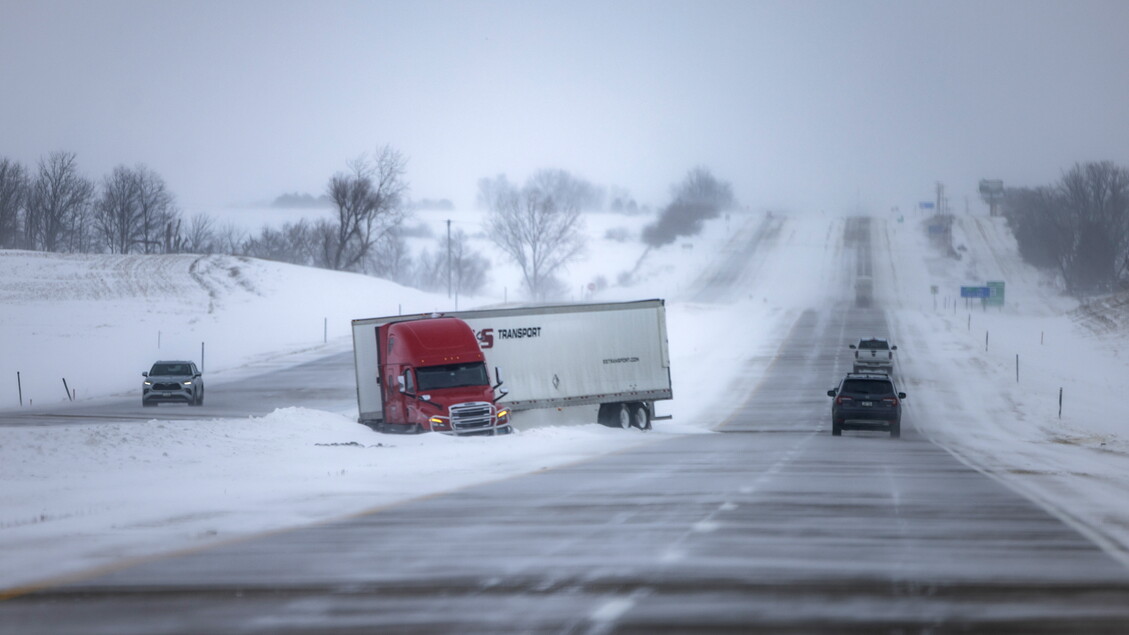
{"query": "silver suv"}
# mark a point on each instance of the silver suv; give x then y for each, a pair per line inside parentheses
(172, 381)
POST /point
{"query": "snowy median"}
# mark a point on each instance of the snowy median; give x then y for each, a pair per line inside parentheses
(83, 496)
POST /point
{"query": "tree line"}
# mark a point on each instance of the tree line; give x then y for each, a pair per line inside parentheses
(1078, 227)
(537, 224)
(55, 208)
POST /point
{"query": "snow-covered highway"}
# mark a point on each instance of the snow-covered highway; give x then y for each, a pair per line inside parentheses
(744, 513)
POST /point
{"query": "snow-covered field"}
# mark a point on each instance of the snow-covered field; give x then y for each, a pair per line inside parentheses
(986, 382)
(83, 496)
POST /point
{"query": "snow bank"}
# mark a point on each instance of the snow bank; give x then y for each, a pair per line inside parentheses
(93, 495)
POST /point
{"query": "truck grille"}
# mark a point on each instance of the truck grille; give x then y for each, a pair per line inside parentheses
(471, 416)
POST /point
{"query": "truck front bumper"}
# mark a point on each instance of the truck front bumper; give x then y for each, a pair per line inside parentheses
(475, 418)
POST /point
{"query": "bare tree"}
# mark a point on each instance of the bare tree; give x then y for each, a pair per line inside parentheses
(431, 271)
(117, 210)
(1096, 198)
(200, 237)
(1080, 225)
(390, 257)
(58, 204)
(490, 189)
(369, 203)
(293, 243)
(1035, 218)
(135, 213)
(467, 272)
(13, 196)
(230, 239)
(697, 199)
(539, 225)
(157, 212)
(468, 267)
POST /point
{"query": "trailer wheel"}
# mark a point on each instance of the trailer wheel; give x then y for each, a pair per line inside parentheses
(640, 416)
(614, 415)
(623, 416)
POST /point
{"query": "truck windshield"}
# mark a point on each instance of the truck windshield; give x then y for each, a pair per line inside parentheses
(452, 376)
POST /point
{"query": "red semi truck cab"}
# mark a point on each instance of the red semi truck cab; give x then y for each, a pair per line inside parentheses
(433, 377)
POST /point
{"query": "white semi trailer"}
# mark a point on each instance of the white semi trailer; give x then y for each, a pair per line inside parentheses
(613, 354)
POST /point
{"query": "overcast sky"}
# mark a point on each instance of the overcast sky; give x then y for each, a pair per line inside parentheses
(803, 106)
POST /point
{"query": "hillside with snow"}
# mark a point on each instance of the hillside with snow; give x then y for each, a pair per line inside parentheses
(99, 320)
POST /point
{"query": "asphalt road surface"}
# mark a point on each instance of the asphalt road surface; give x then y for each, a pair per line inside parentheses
(328, 383)
(770, 525)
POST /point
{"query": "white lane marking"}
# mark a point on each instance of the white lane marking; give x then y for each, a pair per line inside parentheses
(606, 614)
(706, 526)
(612, 610)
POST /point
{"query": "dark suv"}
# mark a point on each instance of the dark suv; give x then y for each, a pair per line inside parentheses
(175, 381)
(866, 401)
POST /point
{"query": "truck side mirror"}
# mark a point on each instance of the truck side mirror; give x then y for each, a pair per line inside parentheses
(497, 377)
(402, 380)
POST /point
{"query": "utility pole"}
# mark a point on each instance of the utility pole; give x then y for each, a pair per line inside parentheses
(448, 258)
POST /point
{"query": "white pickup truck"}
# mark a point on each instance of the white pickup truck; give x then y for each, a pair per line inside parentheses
(873, 354)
